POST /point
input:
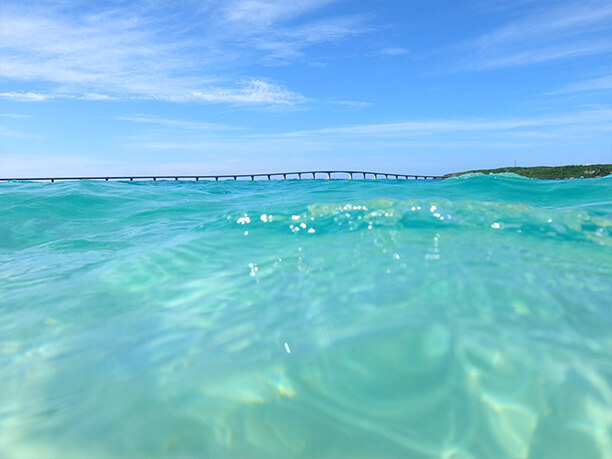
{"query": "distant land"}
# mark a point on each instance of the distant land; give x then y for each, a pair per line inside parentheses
(548, 172)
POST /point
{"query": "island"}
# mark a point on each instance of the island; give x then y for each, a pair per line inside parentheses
(548, 172)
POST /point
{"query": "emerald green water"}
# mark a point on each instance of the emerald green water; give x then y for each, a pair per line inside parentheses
(464, 318)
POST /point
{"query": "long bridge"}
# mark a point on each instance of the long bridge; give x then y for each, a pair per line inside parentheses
(268, 176)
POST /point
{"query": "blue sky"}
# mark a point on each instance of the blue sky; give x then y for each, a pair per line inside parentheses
(246, 86)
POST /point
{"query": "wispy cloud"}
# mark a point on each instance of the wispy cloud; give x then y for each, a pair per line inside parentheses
(36, 165)
(393, 51)
(25, 96)
(180, 124)
(262, 13)
(593, 84)
(10, 133)
(535, 56)
(557, 22)
(289, 43)
(10, 119)
(558, 31)
(14, 115)
(249, 92)
(253, 91)
(280, 30)
(449, 134)
(599, 119)
(175, 52)
(352, 104)
(416, 145)
(103, 53)
(95, 96)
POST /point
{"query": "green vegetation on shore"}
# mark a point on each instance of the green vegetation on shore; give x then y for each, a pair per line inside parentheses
(548, 172)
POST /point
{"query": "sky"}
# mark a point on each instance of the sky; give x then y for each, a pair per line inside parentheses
(253, 86)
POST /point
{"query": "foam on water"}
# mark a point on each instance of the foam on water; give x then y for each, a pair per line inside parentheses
(464, 318)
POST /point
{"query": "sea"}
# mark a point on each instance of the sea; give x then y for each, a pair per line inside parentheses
(462, 318)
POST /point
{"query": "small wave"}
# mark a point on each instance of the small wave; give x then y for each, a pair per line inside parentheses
(472, 175)
(577, 222)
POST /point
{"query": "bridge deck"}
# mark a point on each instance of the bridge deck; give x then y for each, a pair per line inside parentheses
(277, 175)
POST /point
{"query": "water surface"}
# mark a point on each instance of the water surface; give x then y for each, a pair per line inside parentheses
(464, 318)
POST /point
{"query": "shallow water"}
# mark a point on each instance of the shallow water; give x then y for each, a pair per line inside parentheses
(464, 318)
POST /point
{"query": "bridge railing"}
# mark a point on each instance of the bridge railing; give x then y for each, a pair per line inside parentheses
(269, 176)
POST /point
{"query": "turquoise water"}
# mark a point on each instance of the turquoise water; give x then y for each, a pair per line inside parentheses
(464, 318)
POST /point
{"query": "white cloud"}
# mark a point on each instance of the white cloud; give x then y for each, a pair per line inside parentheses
(95, 96)
(107, 54)
(25, 96)
(254, 91)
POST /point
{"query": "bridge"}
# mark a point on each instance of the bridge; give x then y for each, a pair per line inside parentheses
(351, 175)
